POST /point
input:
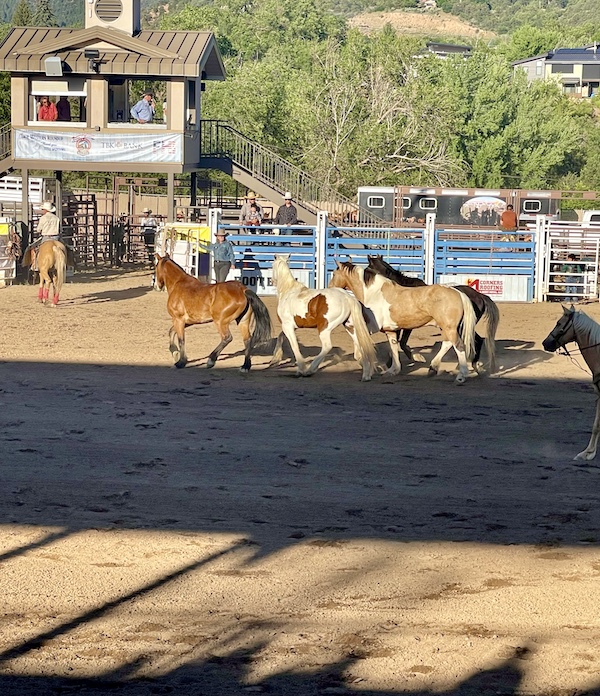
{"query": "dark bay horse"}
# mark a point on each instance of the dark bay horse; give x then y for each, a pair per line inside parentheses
(395, 307)
(577, 327)
(51, 259)
(194, 302)
(485, 308)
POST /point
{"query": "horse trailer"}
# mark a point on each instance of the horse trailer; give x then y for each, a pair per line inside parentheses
(457, 207)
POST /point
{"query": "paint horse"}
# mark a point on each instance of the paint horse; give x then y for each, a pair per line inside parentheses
(395, 307)
(577, 327)
(325, 310)
(485, 309)
(194, 302)
(51, 260)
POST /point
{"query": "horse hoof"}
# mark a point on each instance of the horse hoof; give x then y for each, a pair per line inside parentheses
(584, 456)
(460, 379)
(209, 364)
(417, 357)
(431, 372)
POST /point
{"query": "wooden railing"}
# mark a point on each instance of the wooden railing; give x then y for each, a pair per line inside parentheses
(5, 144)
(221, 140)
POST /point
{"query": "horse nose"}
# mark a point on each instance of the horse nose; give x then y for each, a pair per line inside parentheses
(549, 344)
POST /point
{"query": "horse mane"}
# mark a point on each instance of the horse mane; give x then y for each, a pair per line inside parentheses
(378, 265)
(585, 324)
(287, 281)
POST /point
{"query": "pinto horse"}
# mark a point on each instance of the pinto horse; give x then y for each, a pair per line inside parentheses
(577, 327)
(395, 307)
(194, 302)
(485, 308)
(325, 310)
(52, 265)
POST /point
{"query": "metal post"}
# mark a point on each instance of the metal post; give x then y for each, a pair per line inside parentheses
(320, 249)
(171, 197)
(429, 248)
(214, 220)
(542, 256)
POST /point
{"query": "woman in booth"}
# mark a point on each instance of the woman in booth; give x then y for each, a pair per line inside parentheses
(47, 110)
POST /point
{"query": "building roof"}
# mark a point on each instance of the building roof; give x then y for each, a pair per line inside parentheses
(585, 54)
(147, 54)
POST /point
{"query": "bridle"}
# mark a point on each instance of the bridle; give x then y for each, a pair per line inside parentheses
(562, 349)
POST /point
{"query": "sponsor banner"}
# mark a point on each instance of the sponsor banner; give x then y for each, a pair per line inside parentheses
(98, 147)
(261, 279)
(501, 288)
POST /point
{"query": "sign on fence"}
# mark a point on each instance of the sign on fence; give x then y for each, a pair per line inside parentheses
(501, 288)
(261, 279)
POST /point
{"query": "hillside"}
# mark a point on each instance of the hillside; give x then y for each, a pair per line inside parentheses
(431, 24)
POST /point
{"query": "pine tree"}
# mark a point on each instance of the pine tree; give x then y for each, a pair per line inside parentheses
(22, 16)
(44, 17)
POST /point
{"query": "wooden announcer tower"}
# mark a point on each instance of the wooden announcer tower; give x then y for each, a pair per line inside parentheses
(103, 70)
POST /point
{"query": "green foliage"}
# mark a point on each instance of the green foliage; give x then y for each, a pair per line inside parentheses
(44, 16)
(22, 15)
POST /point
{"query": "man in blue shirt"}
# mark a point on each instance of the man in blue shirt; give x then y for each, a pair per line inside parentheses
(143, 111)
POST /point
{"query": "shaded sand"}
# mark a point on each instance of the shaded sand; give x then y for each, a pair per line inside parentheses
(203, 532)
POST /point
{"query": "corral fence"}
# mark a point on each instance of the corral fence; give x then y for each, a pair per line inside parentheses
(523, 266)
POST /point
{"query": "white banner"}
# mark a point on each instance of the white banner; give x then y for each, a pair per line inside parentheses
(261, 279)
(501, 288)
(98, 147)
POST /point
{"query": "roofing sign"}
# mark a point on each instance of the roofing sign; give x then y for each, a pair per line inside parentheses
(99, 147)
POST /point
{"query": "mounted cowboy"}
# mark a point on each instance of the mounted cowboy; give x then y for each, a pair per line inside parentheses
(48, 229)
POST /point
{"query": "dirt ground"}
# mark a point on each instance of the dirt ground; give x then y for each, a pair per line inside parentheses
(422, 23)
(202, 532)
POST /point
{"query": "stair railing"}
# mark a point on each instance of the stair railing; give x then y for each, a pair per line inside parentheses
(221, 140)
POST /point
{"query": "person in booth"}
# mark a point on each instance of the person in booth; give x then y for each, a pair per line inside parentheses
(47, 110)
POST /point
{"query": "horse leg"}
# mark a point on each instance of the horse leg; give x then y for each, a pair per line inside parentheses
(177, 347)
(226, 338)
(290, 333)
(395, 367)
(406, 349)
(475, 363)
(247, 338)
(435, 363)
(326, 346)
(278, 351)
(44, 288)
(590, 451)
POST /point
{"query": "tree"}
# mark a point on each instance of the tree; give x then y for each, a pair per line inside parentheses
(22, 16)
(44, 17)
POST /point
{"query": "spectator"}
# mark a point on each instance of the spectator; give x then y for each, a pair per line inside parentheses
(47, 110)
(165, 111)
(509, 222)
(287, 213)
(143, 111)
(149, 225)
(254, 218)
(250, 199)
(573, 278)
(223, 255)
(63, 109)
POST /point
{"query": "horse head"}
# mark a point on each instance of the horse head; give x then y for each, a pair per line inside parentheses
(280, 261)
(160, 274)
(563, 332)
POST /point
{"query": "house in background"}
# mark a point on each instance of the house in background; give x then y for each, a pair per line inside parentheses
(577, 70)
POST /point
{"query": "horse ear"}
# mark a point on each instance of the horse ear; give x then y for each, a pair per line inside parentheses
(337, 263)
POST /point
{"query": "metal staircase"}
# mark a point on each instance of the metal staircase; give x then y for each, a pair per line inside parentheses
(225, 148)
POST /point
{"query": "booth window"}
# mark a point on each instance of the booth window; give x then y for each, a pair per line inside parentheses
(71, 92)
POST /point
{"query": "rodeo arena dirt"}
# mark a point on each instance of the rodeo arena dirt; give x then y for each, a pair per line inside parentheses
(208, 532)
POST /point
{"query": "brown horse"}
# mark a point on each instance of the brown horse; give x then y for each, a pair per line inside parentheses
(194, 302)
(484, 307)
(52, 265)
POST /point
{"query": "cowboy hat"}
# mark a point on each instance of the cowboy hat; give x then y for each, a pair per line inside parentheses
(146, 210)
(288, 196)
(221, 233)
(250, 194)
(47, 205)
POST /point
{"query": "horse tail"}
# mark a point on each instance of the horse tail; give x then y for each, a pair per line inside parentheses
(467, 325)
(60, 267)
(262, 330)
(363, 337)
(491, 316)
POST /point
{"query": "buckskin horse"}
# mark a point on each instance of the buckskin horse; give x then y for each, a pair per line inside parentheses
(324, 310)
(485, 309)
(395, 307)
(577, 327)
(193, 302)
(51, 260)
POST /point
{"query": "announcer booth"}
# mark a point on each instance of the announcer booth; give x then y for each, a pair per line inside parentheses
(97, 74)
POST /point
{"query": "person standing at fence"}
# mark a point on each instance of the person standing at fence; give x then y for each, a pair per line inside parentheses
(149, 226)
(287, 213)
(223, 255)
(116, 240)
(573, 279)
(509, 222)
